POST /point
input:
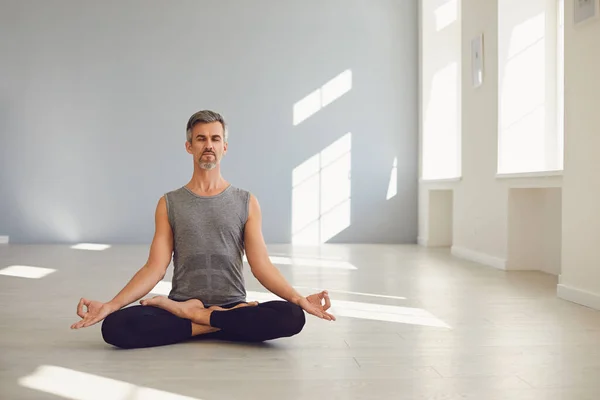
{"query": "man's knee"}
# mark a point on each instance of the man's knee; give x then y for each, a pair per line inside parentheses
(121, 328)
(115, 330)
(144, 326)
(295, 321)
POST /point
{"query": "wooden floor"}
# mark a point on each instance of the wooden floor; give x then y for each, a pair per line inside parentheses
(412, 323)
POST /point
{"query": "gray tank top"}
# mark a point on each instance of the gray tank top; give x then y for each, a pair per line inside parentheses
(208, 245)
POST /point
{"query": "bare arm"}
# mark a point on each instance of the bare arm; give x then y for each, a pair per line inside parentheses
(155, 268)
(258, 258)
(269, 276)
(142, 282)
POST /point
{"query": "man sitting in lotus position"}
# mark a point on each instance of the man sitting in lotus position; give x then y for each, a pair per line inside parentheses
(205, 226)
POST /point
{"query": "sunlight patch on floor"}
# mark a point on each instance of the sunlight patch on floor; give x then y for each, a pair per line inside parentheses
(350, 309)
(91, 246)
(309, 262)
(76, 385)
(26, 271)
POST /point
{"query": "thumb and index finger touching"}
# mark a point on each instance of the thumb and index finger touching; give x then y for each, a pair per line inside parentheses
(80, 311)
(87, 317)
(324, 295)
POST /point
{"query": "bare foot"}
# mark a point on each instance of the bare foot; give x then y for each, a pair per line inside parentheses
(250, 304)
(185, 309)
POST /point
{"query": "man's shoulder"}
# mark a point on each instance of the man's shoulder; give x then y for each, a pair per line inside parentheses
(240, 192)
(174, 192)
(238, 189)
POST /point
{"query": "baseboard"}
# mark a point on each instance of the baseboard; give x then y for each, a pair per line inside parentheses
(422, 241)
(4, 239)
(478, 257)
(579, 296)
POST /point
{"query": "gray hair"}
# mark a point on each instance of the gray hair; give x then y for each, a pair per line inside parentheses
(205, 117)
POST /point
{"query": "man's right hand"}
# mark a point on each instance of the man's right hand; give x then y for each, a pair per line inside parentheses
(96, 312)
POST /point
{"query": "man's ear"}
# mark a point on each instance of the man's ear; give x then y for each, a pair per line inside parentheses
(188, 146)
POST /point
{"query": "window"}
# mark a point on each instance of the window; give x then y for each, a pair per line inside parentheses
(530, 133)
(441, 88)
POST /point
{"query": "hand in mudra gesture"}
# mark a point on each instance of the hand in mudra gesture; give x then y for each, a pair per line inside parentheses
(96, 312)
(313, 304)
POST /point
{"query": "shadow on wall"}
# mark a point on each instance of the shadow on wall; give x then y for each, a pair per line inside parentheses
(323, 121)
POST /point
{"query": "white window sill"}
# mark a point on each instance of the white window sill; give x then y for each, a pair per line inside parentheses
(446, 180)
(540, 174)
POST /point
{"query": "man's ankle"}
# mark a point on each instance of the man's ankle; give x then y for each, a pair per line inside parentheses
(201, 316)
(198, 329)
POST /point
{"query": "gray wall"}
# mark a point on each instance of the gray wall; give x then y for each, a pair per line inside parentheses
(94, 98)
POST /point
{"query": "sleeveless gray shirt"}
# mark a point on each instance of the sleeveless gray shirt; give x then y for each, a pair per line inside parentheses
(208, 245)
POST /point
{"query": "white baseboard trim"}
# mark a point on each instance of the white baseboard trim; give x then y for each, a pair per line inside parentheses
(579, 296)
(4, 239)
(422, 241)
(478, 257)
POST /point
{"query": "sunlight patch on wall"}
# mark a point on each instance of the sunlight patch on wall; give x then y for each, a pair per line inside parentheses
(321, 189)
(327, 94)
(76, 385)
(393, 185)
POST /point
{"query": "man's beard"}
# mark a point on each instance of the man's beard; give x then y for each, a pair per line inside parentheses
(208, 165)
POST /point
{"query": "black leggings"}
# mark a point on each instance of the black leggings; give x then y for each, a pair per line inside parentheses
(147, 326)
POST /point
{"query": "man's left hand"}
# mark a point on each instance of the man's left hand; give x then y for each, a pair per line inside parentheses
(313, 304)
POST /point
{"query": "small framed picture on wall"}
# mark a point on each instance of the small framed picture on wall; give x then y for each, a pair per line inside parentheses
(477, 60)
(585, 11)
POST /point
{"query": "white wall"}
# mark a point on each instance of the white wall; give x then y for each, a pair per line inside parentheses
(440, 218)
(488, 222)
(534, 230)
(480, 201)
(95, 95)
(552, 231)
(580, 279)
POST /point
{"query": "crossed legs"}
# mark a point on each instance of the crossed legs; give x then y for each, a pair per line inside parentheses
(161, 321)
(193, 309)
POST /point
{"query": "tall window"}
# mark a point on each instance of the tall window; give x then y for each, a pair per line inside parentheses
(441, 88)
(530, 56)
